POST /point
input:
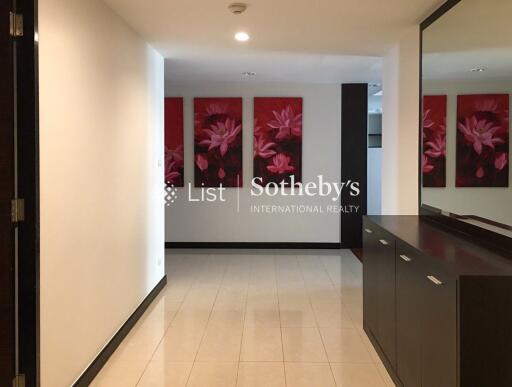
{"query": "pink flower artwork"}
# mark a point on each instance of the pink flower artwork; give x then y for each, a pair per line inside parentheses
(434, 141)
(174, 141)
(277, 139)
(482, 140)
(218, 142)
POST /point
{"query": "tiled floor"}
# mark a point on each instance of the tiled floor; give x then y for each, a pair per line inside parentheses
(246, 318)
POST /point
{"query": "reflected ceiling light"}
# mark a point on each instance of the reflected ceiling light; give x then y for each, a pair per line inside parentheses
(242, 36)
(478, 70)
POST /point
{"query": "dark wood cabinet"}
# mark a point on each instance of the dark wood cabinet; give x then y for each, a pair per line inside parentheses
(370, 272)
(435, 305)
(386, 296)
(409, 280)
(439, 330)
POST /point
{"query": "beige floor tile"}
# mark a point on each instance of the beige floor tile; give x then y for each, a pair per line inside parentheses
(179, 345)
(332, 315)
(261, 374)
(297, 315)
(309, 375)
(357, 375)
(221, 343)
(222, 306)
(261, 344)
(267, 316)
(164, 374)
(213, 375)
(303, 345)
(117, 374)
(344, 346)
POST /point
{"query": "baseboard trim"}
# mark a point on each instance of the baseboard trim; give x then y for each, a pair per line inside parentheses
(252, 245)
(95, 367)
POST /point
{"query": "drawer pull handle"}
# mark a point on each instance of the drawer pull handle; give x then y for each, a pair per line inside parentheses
(434, 280)
(405, 258)
(384, 242)
(368, 231)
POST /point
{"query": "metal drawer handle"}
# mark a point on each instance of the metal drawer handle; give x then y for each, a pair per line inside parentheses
(368, 231)
(405, 258)
(434, 280)
(384, 242)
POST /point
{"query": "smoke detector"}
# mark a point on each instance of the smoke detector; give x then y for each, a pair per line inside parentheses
(237, 8)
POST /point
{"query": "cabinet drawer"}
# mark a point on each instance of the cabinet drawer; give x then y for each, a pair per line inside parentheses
(439, 328)
(379, 288)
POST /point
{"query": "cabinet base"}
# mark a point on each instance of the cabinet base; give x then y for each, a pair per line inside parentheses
(383, 357)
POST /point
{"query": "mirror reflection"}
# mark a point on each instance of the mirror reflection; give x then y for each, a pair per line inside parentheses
(466, 86)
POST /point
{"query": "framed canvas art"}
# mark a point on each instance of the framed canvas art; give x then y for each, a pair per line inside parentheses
(482, 140)
(277, 140)
(174, 166)
(218, 142)
(434, 141)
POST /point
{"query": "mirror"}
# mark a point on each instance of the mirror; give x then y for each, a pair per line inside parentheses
(466, 90)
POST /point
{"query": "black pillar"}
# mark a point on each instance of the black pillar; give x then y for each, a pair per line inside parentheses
(354, 153)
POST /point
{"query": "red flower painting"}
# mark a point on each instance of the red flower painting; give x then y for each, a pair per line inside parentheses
(218, 142)
(482, 140)
(434, 141)
(174, 142)
(278, 139)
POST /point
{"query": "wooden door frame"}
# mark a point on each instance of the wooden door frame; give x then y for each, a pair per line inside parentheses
(7, 233)
(28, 189)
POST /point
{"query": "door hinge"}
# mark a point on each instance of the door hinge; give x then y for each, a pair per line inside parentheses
(15, 24)
(18, 381)
(18, 210)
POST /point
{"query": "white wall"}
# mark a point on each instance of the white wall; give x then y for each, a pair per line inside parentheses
(101, 147)
(220, 222)
(400, 122)
(490, 203)
(374, 181)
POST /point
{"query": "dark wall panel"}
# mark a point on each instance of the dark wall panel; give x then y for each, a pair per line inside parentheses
(354, 123)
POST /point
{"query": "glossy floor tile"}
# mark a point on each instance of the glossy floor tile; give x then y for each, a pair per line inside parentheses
(251, 318)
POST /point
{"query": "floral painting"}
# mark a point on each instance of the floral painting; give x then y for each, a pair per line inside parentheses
(174, 141)
(278, 140)
(434, 140)
(482, 140)
(218, 142)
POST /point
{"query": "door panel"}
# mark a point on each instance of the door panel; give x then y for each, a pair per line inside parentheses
(6, 194)
(386, 296)
(439, 330)
(370, 279)
(409, 278)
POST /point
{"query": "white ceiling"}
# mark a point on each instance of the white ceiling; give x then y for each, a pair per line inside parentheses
(291, 40)
(473, 34)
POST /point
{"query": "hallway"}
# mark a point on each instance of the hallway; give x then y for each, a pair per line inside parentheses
(252, 318)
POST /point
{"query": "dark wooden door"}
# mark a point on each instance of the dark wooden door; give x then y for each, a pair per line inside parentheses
(386, 297)
(439, 330)
(370, 279)
(6, 194)
(409, 278)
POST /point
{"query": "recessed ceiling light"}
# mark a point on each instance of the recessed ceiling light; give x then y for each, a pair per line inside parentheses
(242, 36)
(478, 70)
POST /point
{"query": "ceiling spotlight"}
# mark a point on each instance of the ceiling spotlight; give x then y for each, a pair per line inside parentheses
(242, 36)
(478, 70)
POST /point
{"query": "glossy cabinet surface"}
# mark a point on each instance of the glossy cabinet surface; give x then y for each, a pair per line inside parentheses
(428, 329)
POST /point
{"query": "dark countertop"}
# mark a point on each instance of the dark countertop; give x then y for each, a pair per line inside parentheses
(456, 253)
